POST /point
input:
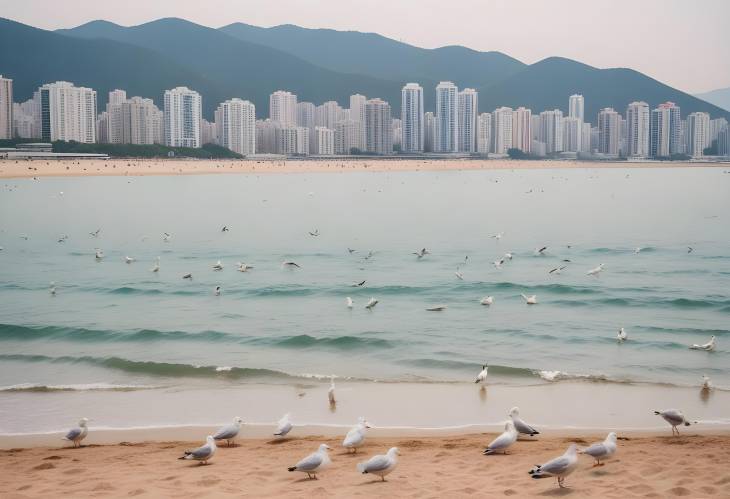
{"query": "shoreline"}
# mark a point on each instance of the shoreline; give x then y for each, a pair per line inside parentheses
(156, 167)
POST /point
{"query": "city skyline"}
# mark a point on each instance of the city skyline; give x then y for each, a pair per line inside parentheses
(577, 41)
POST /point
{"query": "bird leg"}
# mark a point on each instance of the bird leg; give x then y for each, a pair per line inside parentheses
(382, 478)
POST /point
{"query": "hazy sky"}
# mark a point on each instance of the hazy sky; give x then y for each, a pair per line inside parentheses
(684, 43)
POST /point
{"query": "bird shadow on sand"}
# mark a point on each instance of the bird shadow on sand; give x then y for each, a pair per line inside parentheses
(557, 492)
(373, 482)
(278, 441)
(305, 480)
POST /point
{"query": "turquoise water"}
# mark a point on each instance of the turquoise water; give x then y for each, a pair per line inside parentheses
(113, 325)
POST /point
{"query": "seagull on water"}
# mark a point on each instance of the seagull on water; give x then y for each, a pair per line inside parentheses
(217, 291)
(560, 467)
(229, 432)
(520, 425)
(421, 253)
(358, 284)
(638, 250)
(76, 435)
(371, 304)
(498, 263)
(243, 267)
(601, 450)
(218, 265)
(349, 302)
(622, 335)
(95, 233)
(540, 251)
(290, 265)
(203, 453)
(458, 274)
(331, 392)
(508, 256)
(530, 300)
(595, 271)
(99, 254)
(52, 289)
(482, 376)
(284, 426)
(709, 346)
(436, 308)
(380, 465)
(674, 418)
(156, 267)
(502, 442)
(487, 300)
(315, 233)
(187, 276)
(314, 463)
(356, 436)
(557, 270)
(128, 259)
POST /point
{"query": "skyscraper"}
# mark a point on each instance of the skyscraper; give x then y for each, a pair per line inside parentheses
(357, 113)
(608, 132)
(468, 102)
(142, 122)
(283, 108)
(115, 117)
(347, 136)
(575, 107)
(637, 122)
(665, 131)
(522, 129)
(698, 133)
(237, 126)
(67, 112)
(325, 141)
(447, 130)
(572, 134)
(484, 133)
(551, 131)
(502, 130)
(429, 131)
(6, 108)
(379, 133)
(327, 114)
(183, 111)
(412, 133)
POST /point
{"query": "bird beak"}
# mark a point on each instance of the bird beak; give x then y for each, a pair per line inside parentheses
(328, 447)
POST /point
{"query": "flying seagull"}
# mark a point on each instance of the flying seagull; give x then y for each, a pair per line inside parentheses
(217, 291)
(622, 335)
(52, 289)
(225, 228)
(99, 254)
(557, 270)
(371, 304)
(540, 251)
(356, 284)
(187, 276)
(290, 265)
(315, 233)
(95, 233)
(437, 308)
(156, 267)
(128, 259)
(421, 253)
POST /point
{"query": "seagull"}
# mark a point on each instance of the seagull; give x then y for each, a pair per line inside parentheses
(458, 274)
(351, 251)
(76, 435)
(437, 308)
(595, 271)
(52, 290)
(166, 236)
(356, 436)
(560, 467)
(349, 302)
(622, 335)
(128, 259)
(380, 465)
(421, 253)
(601, 450)
(540, 251)
(557, 270)
(187, 276)
(502, 442)
(370, 254)
(638, 250)
(229, 432)
(314, 463)
(709, 346)
(498, 236)
(63, 238)
(530, 300)
(290, 265)
(95, 233)
(156, 267)
(331, 391)
(706, 383)
(674, 418)
(24, 237)
(243, 267)
(217, 291)
(315, 233)
(498, 263)
(218, 266)
(203, 453)
(487, 300)
(482, 376)
(99, 254)
(520, 425)
(225, 228)
(358, 284)
(371, 304)
(508, 256)
(284, 426)
(690, 249)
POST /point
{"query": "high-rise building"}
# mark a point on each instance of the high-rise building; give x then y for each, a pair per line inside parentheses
(26, 119)
(575, 107)
(305, 114)
(115, 118)
(266, 136)
(572, 134)
(412, 135)
(484, 133)
(723, 141)
(637, 121)
(522, 129)
(447, 129)
(429, 132)
(303, 141)
(502, 130)
(286, 140)
(142, 122)
(208, 134)
(468, 109)
(236, 126)
(551, 131)
(6, 108)
(585, 140)
(327, 115)
(347, 136)
(102, 122)
(698, 134)
(716, 126)
(609, 134)
(357, 113)
(283, 108)
(397, 127)
(665, 131)
(67, 112)
(379, 129)
(183, 111)
(325, 141)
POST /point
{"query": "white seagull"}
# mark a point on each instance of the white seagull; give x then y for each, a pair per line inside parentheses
(315, 462)
(674, 418)
(487, 300)
(218, 265)
(52, 290)
(76, 435)
(421, 253)
(502, 442)
(601, 450)
(371, 304)
(498, 236)
(95, 233)
(204, 453)
(437, 308)
(243, 267)
(349, 302)
(380, 465)
(166, 237)
(595, 271)
(706, 383)
(284, 426)
(459, 275)
(482, 376)
(530, 300)
(520, 425)
(156, 267)
(560, 467)
(498, 263)
(99, 254)
(356, 436)
(217, 291)
(229, 432)
(622, 335)
(508, 256)
(709, 346)
(331, 392)
(128, 259)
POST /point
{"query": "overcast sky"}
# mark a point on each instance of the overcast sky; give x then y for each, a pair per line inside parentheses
(684, 43)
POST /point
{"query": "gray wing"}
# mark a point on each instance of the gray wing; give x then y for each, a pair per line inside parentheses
(501, 442)
(377, 463)
(596, 450)
(226, 433)
(523, 427)
(309, 463)
(201, 452)
(72, 434)
(673, 417)
(556, 466)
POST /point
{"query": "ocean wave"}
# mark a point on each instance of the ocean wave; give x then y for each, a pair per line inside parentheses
(40, 388)
(651, 302)
(338, 342)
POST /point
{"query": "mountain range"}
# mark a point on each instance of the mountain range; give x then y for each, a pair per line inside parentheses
(719, 97)
(240, 60)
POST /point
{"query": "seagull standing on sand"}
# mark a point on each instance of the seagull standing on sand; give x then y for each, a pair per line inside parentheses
(371, 304)
(601, 450)
(284, 426)
(76, 435)
(229, 432)
(595, 271)
(520, 425)
(560, 467)
(380, 465)
(530, 300)
(622, 335)
(331, 392)
(314, 463)
(482, 376)
(203, 453)
(502, 442)
(674, 418)
(487, 300)
(709, 346)
(356, 436)
(156, 267)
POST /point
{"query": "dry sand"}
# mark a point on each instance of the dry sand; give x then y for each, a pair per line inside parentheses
(39, 168)
(691, 465)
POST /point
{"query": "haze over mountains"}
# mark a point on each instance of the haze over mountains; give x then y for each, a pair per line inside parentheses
(250, 62)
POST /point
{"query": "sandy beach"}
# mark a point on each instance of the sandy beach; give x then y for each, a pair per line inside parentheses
(138, 167)
(644, 466)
